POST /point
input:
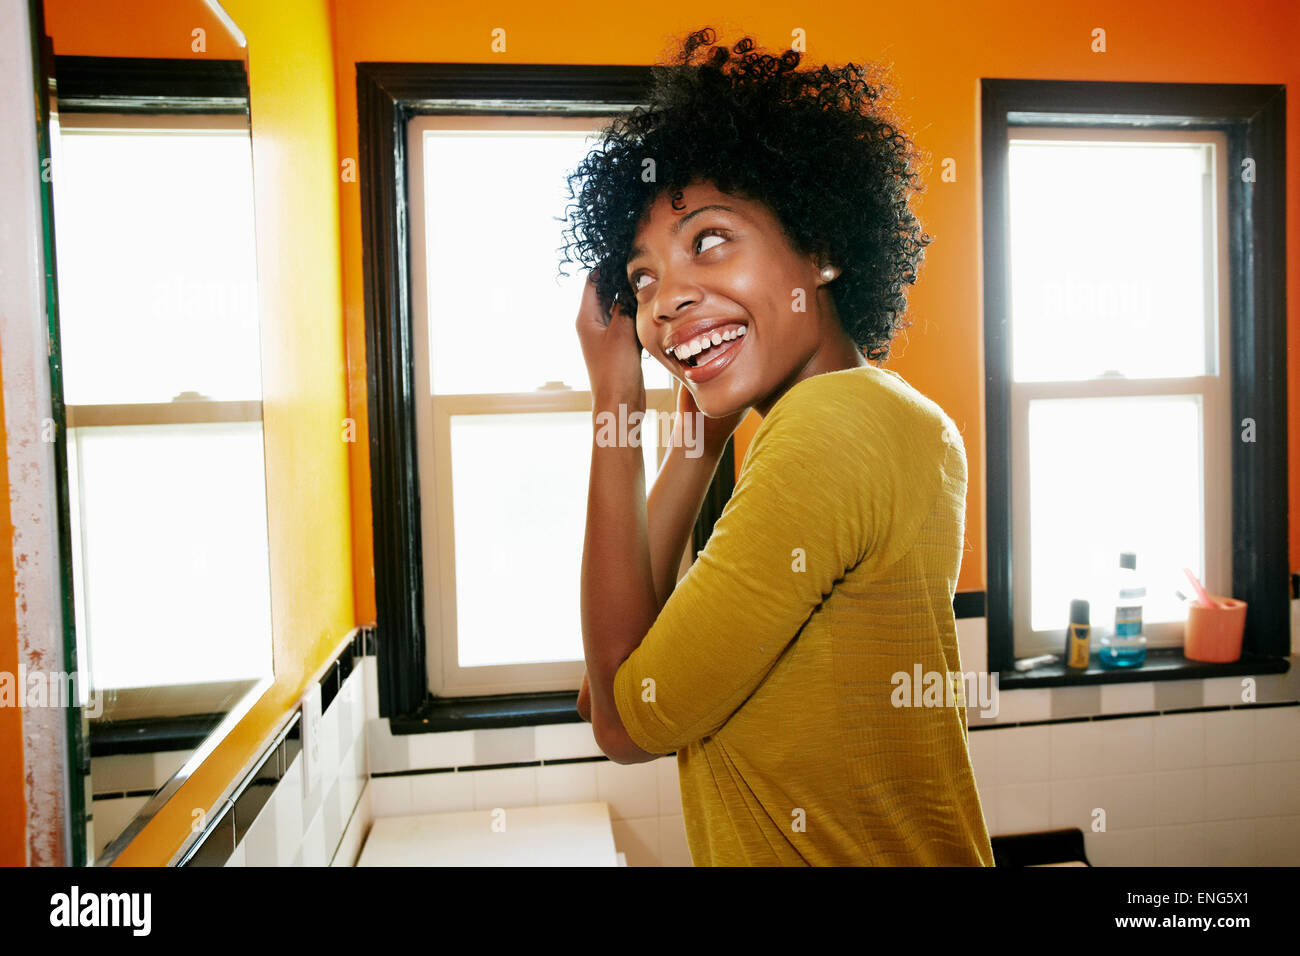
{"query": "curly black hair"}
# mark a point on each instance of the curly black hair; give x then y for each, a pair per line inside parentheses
(819, 147)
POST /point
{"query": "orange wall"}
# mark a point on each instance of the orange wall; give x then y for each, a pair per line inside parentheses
(152, 28)
(13, 791)
(313, 327)
(303, 370)
(938, 57)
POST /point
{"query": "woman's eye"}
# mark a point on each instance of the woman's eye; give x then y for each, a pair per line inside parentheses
(700, 240)
(705, 236)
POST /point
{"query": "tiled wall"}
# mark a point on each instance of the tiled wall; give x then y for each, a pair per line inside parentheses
(1185, 773)
(271, 821)
(525, 767)
(122, 785)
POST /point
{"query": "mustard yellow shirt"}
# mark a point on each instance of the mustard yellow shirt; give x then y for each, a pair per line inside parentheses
(773, 669)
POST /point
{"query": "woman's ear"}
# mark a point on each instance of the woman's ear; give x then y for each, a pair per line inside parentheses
(827, 270)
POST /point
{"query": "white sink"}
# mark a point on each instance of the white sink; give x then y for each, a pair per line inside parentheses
(573, 834)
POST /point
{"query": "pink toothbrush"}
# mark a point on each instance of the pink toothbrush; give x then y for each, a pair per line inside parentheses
(1201, 593)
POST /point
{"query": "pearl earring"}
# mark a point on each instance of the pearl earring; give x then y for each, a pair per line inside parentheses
(829, 273)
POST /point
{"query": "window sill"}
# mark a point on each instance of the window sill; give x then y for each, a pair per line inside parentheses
(442, 714)
(1163, 663)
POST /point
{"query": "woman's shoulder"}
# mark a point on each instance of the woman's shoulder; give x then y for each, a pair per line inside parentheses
(867, 399)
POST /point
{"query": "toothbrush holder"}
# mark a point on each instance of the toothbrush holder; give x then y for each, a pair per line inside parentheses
(1214, 633)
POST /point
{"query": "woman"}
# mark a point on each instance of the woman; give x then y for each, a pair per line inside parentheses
(750, 230)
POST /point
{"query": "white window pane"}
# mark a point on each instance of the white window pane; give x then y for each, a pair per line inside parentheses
(157, 269)
(500, 318)
(1111, 475)
(175, 581)
(1108, 245)
(519, 485)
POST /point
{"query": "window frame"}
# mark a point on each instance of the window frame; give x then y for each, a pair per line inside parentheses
(447, 677)
(389, 95)
(118, 85)
(189, 409)
(1214, 389)
(1251, 118)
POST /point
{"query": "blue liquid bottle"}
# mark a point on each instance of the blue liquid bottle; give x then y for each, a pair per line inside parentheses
(1126, 646)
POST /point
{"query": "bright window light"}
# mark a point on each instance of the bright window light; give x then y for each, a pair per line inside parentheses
(500, 318)
(172, 518)
(1108, 252)
(520, 518)
(157, 265)
(1108, 475)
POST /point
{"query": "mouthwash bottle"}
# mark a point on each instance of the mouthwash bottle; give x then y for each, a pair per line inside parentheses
(1126, 645)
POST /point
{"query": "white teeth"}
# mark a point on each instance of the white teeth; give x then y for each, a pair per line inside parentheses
(708, 340)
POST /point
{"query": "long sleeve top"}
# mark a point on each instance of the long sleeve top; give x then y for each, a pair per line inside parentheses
(774, 670)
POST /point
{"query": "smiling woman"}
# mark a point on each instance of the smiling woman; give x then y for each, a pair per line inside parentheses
(749, 229)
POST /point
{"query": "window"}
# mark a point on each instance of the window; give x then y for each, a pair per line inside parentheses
(162, 386)
(1119, 379)
(1133, 331)
(503, 403)
(478, 468)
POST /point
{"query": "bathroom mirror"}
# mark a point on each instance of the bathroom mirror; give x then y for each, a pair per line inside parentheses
(156, 369)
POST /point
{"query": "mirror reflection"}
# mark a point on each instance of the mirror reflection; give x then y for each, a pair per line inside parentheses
(158, 350)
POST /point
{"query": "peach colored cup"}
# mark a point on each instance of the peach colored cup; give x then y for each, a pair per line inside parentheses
(1214, 633)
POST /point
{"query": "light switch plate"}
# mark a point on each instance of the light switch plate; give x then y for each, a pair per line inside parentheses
(311, 729)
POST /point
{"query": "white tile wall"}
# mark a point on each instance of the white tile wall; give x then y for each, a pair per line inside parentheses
(1194, 789)
(318, 830)
(644, 799)
(1212, 788)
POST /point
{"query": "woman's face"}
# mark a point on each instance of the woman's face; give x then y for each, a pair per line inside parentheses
(719, 266)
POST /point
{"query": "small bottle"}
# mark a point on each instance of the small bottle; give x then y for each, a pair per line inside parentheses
(1077, 637)
(1127, 645)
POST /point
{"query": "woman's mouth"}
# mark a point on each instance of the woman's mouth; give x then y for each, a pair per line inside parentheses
(712, 361)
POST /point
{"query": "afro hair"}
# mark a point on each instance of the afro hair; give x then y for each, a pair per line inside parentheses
(819, 147)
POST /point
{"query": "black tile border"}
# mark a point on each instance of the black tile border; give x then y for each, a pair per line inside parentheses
(972, 728)
(471, 768)
(967, 604)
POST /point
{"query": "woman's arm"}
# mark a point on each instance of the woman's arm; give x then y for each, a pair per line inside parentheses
(674, 503)
(675, 499)
(618, 598)
(672, 509)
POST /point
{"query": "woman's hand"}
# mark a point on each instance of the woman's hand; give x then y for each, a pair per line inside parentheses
(716, 430)
(612, 352)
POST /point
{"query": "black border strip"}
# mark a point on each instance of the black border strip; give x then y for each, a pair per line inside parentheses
(118, 84)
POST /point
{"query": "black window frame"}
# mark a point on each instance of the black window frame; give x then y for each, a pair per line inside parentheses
(113, 85)
(1253, 119)
(388, 95)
